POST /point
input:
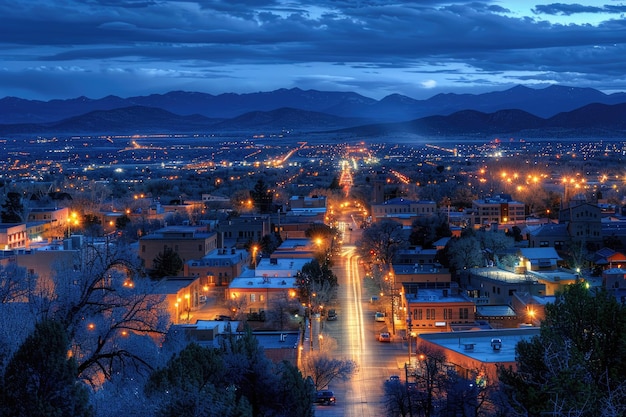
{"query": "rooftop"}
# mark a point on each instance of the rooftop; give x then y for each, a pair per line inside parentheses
(477, 344)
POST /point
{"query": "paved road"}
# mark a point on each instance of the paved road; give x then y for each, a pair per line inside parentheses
(355, 332)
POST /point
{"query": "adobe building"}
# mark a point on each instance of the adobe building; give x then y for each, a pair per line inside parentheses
(436, 310)
(189, 242)
(471, 353)
(238, 231)
(218, 267)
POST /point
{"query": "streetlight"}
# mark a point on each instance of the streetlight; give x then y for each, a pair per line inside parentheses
(254, 251)
(409, 326)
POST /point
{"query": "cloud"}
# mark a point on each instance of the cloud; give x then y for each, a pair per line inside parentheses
(332, 43)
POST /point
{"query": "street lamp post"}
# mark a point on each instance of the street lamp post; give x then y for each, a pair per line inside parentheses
(409, 326)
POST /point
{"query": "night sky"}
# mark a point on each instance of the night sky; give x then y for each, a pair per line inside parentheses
(66, 48)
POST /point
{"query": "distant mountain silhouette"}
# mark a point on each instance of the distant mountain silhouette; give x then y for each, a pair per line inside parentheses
(571, 114)
(594, 120)
(545, 102)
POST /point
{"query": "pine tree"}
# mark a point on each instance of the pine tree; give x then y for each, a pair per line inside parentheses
(40, 379)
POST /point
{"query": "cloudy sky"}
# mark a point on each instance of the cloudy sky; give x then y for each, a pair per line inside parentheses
(66, 48)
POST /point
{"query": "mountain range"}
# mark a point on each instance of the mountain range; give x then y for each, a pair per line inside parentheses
(553, 111)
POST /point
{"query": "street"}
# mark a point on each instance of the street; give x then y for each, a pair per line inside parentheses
(355, 331)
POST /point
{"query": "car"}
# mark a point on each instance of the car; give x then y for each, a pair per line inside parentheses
(332, 315)
(384, 337)
(326, 397)
(394, 378)
(222, 317)
(379, 316)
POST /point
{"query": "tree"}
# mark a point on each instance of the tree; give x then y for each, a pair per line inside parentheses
(397, 400)
(494, 242)
(92, 225)
(317, 283)
(465, 252)
(122, 221)
(324, 369)
(166, 264)
(381, 241)
(431, 377)
(195, 382)
(113, 315)
(12, 208)
(426, 230)
(281, 309)
(40, 379)
(577, 364)
(262, 196)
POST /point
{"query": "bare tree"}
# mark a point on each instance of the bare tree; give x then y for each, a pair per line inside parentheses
(111, 311)
(281, 309)
(323, 369)
(381, 241)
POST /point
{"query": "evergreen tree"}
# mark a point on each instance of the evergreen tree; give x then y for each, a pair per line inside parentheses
(12, 208)
(262, 196)
(40, 380)
(166, 263)
(578, 361)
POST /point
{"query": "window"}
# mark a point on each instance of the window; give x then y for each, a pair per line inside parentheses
(463, 313)
(252, 298)
(447, 314)
(419, 314)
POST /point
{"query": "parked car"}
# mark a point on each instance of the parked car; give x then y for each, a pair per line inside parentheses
(222, 317)
(379, 316)
(332, 315)
(326, 397)
(384, 337)
(394, 378)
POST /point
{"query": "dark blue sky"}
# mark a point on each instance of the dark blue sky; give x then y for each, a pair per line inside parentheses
(66, 48)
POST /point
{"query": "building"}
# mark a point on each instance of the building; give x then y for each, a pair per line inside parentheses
(416, 255)
(500, 209)
(402, 208)
(218, 267)
(189, 242)
(495, 286)
(436, 310)
(432, 275)
(13, 236)
(477, 354)
(238, 231)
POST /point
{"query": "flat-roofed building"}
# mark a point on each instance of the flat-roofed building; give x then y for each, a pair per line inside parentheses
(495, 286)
(189, 242)
(484, 350)
(13, 236)
(237, 231)
(499, 209)
(403, 208)
(218, 267)
(436, 310)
